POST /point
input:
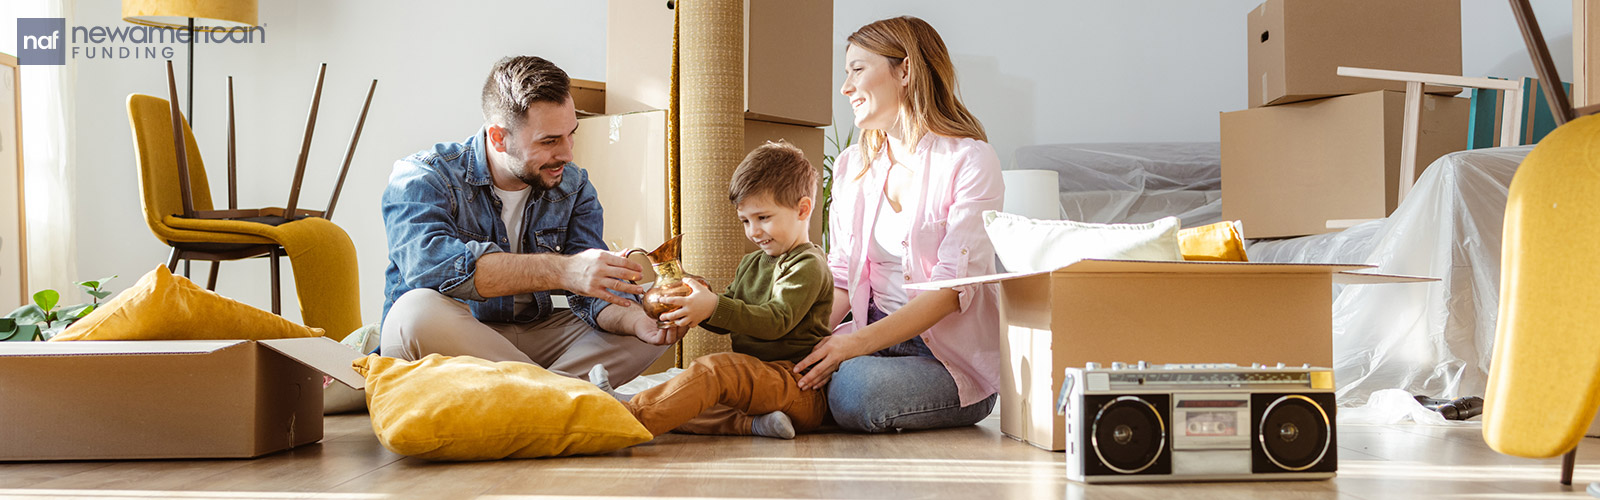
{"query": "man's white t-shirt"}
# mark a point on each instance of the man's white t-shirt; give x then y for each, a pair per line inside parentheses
(513, 204)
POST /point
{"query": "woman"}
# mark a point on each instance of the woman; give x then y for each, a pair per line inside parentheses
(907, 208)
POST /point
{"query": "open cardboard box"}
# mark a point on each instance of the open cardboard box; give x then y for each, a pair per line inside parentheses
(1160, 312)
(165, 399)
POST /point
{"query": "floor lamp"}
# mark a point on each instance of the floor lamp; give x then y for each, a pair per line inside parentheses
(217, 16)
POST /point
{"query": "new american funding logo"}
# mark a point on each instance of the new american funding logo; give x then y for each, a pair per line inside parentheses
(48, 41)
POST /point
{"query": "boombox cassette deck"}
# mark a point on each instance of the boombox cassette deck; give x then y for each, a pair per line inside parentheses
(1198, 422)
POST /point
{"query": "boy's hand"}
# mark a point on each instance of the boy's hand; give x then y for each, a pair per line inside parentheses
(693, 308)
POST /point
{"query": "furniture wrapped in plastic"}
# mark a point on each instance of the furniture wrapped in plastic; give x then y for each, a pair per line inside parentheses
(1133, 182)
(1435, 338)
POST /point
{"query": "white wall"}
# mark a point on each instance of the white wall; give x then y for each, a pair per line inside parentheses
(1034, 72)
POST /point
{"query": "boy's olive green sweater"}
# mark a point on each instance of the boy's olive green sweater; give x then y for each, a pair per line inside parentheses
(777, 307)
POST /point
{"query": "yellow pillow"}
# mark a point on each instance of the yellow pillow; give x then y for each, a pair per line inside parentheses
(466, 408)
(166, 307)
(1220, 241)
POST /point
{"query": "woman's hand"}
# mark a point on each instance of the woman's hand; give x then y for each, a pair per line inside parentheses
(826, 357)
(693, 308)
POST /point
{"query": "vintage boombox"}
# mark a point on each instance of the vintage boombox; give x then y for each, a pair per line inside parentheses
(1198, 422)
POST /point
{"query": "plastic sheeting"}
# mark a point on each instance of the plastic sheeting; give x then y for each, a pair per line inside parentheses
(1436, 338)
(1133, 182)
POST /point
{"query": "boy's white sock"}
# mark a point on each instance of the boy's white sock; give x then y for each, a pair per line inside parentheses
(602, 379)
(772, 425)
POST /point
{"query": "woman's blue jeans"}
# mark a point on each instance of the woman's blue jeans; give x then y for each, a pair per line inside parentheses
(902, 387)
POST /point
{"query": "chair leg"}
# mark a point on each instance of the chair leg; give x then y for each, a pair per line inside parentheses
(211, 282)
(273, 257)
(1567, 462)
(172, 262)
(186, 265)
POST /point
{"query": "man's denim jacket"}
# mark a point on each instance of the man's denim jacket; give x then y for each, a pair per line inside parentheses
(441, 215)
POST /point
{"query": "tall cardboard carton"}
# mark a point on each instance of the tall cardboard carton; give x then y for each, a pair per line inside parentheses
(1296, 45)
(1289, 169)
(788, 53)
(625, 157)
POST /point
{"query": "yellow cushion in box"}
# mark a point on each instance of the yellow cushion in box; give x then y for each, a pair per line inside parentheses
(466, 408)
(1221, 241)
(166, 307)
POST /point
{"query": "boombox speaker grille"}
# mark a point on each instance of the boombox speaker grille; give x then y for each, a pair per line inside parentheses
(1128, 434)
(1294, 433)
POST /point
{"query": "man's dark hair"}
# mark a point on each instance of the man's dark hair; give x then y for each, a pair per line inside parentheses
(778, 169)
(516, 83)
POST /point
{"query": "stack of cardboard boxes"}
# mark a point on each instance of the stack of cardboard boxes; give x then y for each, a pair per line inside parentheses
(1315, 147)
(788, 88)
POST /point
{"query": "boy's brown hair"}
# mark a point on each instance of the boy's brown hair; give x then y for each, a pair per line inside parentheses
(778, 169)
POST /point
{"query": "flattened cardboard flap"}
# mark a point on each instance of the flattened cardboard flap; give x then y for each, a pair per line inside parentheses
(1354, 278)
(1342, 273)
(115, 347)
(952, 283)
(324, 355)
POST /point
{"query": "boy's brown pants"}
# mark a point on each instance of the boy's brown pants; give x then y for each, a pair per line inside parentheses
(717, 394)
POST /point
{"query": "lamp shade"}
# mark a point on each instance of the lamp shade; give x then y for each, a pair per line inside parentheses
(209, 15)
(1032, 193)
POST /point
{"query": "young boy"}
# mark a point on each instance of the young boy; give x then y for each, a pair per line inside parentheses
(776, 310)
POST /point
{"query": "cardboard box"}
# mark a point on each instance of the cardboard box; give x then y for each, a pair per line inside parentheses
(1287, 170)
(165, 399)
(626, 159)
(589, 97)
(788, 59)
(1161, 312)
(1295, 45)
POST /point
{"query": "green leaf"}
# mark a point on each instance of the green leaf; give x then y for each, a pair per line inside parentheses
(46, 299)
(96, 284)
(28, 314)
(98, 294)
(74, 312)
(55, 329)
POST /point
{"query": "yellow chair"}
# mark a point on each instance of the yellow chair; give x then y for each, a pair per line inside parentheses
(1545, 373)
(1544, 378)
(176, 199)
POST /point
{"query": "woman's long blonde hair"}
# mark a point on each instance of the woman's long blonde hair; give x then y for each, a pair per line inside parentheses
(931, 101)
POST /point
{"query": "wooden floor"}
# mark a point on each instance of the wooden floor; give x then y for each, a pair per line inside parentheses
(1404, 461)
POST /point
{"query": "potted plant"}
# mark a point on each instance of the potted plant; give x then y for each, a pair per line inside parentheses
(42, 320)
(836, 145)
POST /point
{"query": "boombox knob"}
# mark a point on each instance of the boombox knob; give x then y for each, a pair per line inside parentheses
(1091, 366)
(1118, 365)
(1143, 365)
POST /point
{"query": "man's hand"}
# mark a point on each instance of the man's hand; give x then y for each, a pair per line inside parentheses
(595, 272)
(651, 332)
(693, 308)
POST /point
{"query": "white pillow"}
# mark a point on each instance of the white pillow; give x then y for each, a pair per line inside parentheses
(336, 398)
(1031, 245)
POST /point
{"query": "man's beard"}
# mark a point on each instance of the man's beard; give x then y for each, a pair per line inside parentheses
(529, 174)
(531, 177)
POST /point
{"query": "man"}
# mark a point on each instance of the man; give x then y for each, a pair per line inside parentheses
(483, 231)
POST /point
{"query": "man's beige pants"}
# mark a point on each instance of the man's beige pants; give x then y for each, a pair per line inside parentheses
(424, 321)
